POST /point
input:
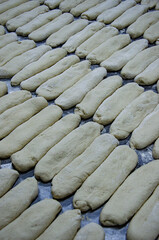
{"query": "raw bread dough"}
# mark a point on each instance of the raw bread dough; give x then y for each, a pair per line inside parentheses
(150, 3)
(14, 49)
(7, 38)
(157, 8)
(34, 82)
(19, 62)
(66, 151)
(12, 99)
(37, 22)
(131, 195)
(98, 38)
(118, 59)
(145, 224)
(10, 4)
(158, 86)
(57, 85)
(140, 62)
(152, 33)
(67, 5)
(2, 30)
(129, 16)
(155, 151)
(25, 17)
(113, 105)
(95, 11)
(31, 154)
(110, 15)
(106, 49)
(71, 177)
(64, 227)
(7, 179)
(150, 75)
(76, 93)
(49, 28)
(13, 12)
(24, 133)
(77, 39)
(53, 3)
(32, 222)
(142, 23)
(3, 89)
(91, 231)
(44, 62)
(19, 114)
(14, 202)
(104, 181)
(63, 34)
(133, 114)
(92, 100)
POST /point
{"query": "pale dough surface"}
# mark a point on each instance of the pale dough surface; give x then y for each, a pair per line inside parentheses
(3, 89)
(14, 202)
(155, 151)
(113, 105)
(150, 3)
(2, 30)
(158, 86)
(76, 93)
(152, 33)
(7, 38)
(131, 195)
(67, 5)
(91, 231)
(53, 3)
(92, 100)
(4, 6)
(71, 177)
(64, 227)
(145, 224)
(66, 151)
(7, 179)
(28, 157)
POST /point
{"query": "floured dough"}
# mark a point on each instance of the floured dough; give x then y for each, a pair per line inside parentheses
(104, 181)
(71, 177)
(14, 202)
(66, 151)
(113, 105)
(91, 231)
(131, 195)
(92, 100)
(155, 151)
(152, 33)
(31, 154)
(2, 30)
(3, 89)
(76, 93)
(7, 179)
(53, 3)
(66, 5)
(10, 4)
(32, 222)
(7, 38)
(150, 3)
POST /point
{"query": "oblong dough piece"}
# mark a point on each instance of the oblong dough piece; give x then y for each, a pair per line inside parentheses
(57, 85)
(99, 187)
(33, 221)
(7, 38)
(66, 5)
(26, 17)
(24, 133)
(113, 105)
(76, 93)
(91, 231)
(150, 3)
(13, 99)
(46, 30)
(140, 62)
(142, 23)
(71, 177)
(13, 203)
(17, 63)
(77, 39)
(133, 114)
(38, 22)
(66, 150)
(2, 30)
(98, 38)
(118, 59)
(31, 154)
(64, 227)
(19, 114)
(45, 61)
(10, 4)
(3, 89)
(129, 16)
(63, 34)
(145, 224)
(152, 33)
(147, 132)
(131, 195)
(106, 49)
(34, 82)
(7, 179)
(95, 11)
(110, 15)
(92, 100)
(53, 3)
(7, 53)
(155, 151)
